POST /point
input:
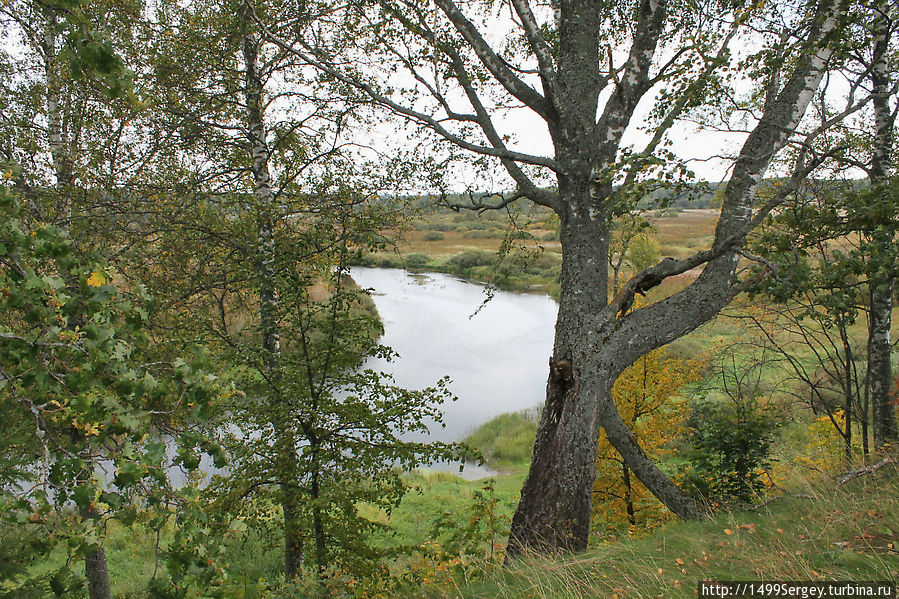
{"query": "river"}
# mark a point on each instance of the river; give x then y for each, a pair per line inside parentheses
(496, 356)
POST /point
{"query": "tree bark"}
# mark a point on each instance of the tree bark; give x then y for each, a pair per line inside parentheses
(266, 255)
(97, 574)
(880, 376)
(879, 367)
(57, 141)
(628, 495)
(555, 506)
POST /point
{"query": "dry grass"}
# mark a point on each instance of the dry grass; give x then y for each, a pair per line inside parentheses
(825, 532)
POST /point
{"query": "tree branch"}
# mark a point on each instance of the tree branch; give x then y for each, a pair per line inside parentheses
(497, 67)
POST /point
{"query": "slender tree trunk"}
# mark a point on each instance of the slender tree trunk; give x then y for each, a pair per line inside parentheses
(847, 415)
(56, 138)
(97, 574)
(318, 529)
(266, 255)
(95, 568)
(879, 367)
(628, 495)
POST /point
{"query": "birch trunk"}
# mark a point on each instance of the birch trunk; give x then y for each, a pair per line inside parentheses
(56, 138)
(266, 248)
(880, 374)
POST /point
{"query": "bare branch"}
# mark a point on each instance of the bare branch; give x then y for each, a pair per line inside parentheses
(497, 67)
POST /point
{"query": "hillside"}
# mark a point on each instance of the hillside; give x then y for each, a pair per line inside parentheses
(823, 532)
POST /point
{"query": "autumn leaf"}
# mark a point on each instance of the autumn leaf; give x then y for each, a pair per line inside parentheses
(96, 279)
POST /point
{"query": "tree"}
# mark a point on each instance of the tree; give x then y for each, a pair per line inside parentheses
(583, 67)
(825, 253)
(882, 236)
(259, 239)
(86, 400)
(66, 107)
(731, 432)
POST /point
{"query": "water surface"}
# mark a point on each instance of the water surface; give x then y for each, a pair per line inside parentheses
(496, 356)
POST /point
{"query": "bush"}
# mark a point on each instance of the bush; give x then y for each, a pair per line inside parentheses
(550, 236)
(730, 449)
(472, 258)
(439, 227)
(434, 236)
(485, 234)
(389, 261)
(417, 260)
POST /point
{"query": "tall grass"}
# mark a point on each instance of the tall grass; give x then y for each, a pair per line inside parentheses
(826, 532)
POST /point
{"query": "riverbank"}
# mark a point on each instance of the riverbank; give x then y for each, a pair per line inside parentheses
(448, 535)
(521, 252)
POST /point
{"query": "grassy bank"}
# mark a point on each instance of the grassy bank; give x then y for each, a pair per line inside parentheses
(822, 532)
(507, 440)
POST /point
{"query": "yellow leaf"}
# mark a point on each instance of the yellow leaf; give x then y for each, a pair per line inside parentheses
(679, 561)
(728, 531)
(96, 279)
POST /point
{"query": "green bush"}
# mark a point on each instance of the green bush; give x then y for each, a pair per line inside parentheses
(389, 261)
(417, 260)
(550, 236)
(433, 236)
(483, 234)
(439, 227)
(730, 449)
(472, 258)
(506, 439)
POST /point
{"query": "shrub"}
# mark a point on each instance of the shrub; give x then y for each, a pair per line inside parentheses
(433, 236)
(730, 449)
(507, 438)
(550, 236)
(439, 227)
(389, 261)
(472, 258)
(416, 260)
(487, 234)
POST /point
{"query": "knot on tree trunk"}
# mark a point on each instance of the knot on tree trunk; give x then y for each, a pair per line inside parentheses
(561, 382)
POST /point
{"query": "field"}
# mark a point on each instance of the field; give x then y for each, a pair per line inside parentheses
(521, 251)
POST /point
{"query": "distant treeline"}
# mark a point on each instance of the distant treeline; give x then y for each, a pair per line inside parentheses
(697, 195)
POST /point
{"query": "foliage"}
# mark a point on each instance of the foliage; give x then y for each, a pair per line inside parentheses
(476, 546)
(88, 406)
(643, 252)
(731, 447)
(646, 395)
(826, 253)
(472, 258)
